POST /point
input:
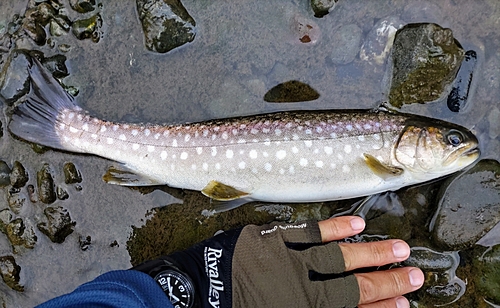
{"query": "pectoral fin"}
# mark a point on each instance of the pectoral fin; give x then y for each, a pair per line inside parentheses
(380, 169)
(222, 192)
(125, 177)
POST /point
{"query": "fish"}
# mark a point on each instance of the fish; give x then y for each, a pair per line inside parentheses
(290, 156)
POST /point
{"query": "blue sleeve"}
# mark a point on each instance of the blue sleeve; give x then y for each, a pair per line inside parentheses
(124, 289)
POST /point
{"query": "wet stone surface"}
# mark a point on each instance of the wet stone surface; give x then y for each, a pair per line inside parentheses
(464, 217)
(4, 174)
(322, 7)
(378, 43)
(347, 41)
(18, 177)
(20, 234)
(57, 224)
(166, 24)
(426, 59)
(89, 28)
(14, 79)
(71, 174)
(9, 270)
(291, 91)
(487, 278)
(46, 186)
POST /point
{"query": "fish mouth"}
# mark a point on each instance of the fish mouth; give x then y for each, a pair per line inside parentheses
(464, 158)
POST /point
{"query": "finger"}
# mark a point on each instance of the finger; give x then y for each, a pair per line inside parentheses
(397, 302)
(382, 285)
(338, 228)
(359, 255)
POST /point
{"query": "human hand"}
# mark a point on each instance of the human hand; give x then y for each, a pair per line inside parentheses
(292, 265)
(380, 288)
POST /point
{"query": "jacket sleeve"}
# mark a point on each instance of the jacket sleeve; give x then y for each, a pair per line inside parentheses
(123, 288)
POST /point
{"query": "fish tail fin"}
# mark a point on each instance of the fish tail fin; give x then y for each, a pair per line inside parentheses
(35, 120)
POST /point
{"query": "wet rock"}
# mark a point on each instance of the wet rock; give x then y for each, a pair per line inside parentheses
(9, 270)
(322, 7)
(5, 218)
(46, 187)
(469, 206)
(459, 95)
(57, 225)
(166, 24)
(89, 28)
(71, 174)
(379, 41)
(18, 176)
(16, 201)
(426, 59)
(83, 6)
(84, 242)
(346, 41)
(62, 194)
(31, 193)
(35, 20)
(4, 174)
(20, 234)
(441, 285)
(14, 80)
(487, 274)
(304, 31)
(56, 65)
(291, 91)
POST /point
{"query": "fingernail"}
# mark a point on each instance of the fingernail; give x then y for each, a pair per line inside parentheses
(400, 249)
(357, 224)
(416, 277)
(402, 302)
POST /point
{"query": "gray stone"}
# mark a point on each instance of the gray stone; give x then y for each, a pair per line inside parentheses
(469, 206)
(346, 41)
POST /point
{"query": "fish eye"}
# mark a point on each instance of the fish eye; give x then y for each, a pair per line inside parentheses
(455, 138)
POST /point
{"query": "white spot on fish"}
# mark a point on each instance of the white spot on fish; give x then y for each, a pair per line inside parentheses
(347, 148)
(229, 154)
(71, 115)
(346, 169)
(267, 142)
(85, 127)
(135, 146)
(235, 131)
(184, 155)
(333, 135)
(115, 127)
(214, 136)
(93, 136)
(303, 162)
(224, 136)
(282, 171)
(163, 155)
(265, 154)
(205, 166)
(254, 170)
(187, 137)
(328, 150)
(268, 167)
(157, 136)
(205, 132)
(134, 132)
(333, 165)
(367, 126)
(109, 140)
(308, 131)
(265, 130)
(253, 154)
(166, 133)
(73, 130)
(308, 143)
(79, 117)
(122, 137)
(217, 166)
(193, 166)
(254, 131)
(199, 150)
(281, 154)
(339, 156)
(240, 141)
(319, 129)
(242, 165)
(295, 137)
(174, 143)
(291, 170)
(349, 127)
(147, 132)
(361, 138)
(295, 150)
(151, 148)
(214, 151)
(277, 132)
(319, 164)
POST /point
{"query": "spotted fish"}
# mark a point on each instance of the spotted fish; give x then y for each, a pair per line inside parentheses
(295, 156)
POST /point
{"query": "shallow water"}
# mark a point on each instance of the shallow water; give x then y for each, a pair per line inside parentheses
(241, 50)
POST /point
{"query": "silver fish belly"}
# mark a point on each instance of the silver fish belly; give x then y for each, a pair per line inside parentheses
(303, 156)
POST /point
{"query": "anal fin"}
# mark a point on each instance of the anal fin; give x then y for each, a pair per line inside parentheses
(125, 177)
(222, 192)
(380, 169)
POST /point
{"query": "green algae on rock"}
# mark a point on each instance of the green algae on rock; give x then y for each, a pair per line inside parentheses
(487, 278)
(20, 234)
(71, 174)
(166, 24)
(426, 59)
(46, 186)
(464, 217)
(18, 176)
(57, 224)
(89, 28)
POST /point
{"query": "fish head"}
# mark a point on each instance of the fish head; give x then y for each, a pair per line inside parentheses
(436, 149)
